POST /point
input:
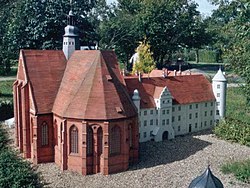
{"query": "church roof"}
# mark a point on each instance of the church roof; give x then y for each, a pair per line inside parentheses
(184, 89)
(93, 88)
(44, 70)
(206, 180)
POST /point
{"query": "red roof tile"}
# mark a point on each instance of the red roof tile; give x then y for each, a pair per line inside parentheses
(184, 89)
(93, 88)
(44, 69)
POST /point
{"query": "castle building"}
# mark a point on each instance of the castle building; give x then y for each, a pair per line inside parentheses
(73, 107)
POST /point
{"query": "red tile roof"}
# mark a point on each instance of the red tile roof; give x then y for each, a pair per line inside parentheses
(44, 69)
(93, 88)
(184, 89)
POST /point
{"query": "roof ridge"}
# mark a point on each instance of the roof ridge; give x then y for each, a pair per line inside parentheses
(83, 80)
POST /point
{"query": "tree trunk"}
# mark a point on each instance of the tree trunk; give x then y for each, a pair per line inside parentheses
(197, 58)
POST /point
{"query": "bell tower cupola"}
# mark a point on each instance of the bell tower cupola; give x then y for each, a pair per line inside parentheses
(71, 36)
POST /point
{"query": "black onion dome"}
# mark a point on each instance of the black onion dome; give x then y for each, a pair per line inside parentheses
(206, 180)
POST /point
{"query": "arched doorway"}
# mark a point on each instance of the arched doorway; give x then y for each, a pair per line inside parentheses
(165, 135)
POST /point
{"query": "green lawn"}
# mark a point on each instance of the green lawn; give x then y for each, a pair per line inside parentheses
(6, 91)
(236, 105)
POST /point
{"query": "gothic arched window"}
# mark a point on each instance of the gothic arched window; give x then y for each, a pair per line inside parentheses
(73, 139)
(89, 141)
(115, 141)
(45, 134)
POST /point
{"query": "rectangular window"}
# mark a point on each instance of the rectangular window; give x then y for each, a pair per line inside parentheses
(167, 121)
(179, 128)
(205, 123)
(179, 118)
(211, 122)
(151, 112)
(163, 112)
(139, 123)
(218, 86)
(145, 112)
(179, 108)
(156, 111)
(212, 103)
(163, 122)
(217, 103)
(190, 106)
(167, 111)
(196, 125)
(145, 134)
(196, 105)
(173, 118)
(145, 123)
(173, 109)
(201, 124)
(218, 94)
(190, 116)
(205, 113)
(217, 112)
(156, 122)
(45, 136)
(205, 104)
(211, 112)
(151, 122)
(196, 115)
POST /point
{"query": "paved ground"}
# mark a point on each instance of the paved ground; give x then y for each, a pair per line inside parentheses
(169, 164)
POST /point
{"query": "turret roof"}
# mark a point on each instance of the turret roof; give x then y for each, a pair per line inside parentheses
(219, 76)
(206, 180)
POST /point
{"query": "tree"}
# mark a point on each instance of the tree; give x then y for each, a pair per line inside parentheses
(38, 24)
(145, 62)
(233, 17)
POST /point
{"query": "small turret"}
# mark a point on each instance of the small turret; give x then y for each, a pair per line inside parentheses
(219, 88)
(71, 37)
(136, 99)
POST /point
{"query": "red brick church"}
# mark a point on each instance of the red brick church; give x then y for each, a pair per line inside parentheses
(72, 108)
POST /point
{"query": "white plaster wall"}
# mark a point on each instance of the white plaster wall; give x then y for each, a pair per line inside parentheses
(220, 87)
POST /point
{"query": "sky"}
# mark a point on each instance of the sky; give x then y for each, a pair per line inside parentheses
(204, 6)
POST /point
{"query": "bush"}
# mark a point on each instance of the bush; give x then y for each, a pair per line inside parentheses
(233, 130)
(6, 110)
(15, 172)
(241, 170)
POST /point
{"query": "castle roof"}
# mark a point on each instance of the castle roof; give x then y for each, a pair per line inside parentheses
(43, 70)
(184, 89)
(93, 88)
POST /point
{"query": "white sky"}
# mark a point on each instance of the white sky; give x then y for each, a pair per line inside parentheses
(204, 6)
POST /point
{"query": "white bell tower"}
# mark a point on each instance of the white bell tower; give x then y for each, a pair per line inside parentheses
(71, 37)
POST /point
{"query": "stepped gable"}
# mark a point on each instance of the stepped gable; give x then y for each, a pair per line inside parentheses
(93, 88)
(184, 89)
(44, 71)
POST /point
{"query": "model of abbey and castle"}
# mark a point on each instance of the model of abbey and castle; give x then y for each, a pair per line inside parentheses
(75, 108)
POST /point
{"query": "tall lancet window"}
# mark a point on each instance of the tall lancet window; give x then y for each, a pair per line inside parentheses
(45, 134)
(90, 141)
(73, 139)
(115, 141)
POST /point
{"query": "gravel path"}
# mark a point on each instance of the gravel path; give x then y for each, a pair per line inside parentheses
(169, 164)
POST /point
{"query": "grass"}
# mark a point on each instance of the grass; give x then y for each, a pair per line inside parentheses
(6, 91)
(236, 105)
(240, 169)
(236, 128)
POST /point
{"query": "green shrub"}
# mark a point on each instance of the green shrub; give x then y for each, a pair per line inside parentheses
(6, 110)
(233, 130)
(241, 170)
(15, 172)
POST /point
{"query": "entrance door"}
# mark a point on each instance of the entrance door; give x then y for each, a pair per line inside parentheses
(165, 135)
(190, 128)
